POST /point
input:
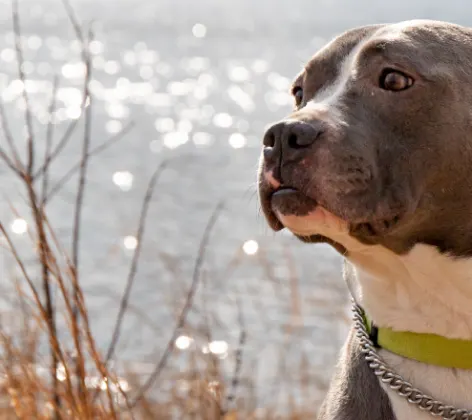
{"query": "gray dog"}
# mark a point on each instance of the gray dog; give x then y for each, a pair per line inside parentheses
(376, 160)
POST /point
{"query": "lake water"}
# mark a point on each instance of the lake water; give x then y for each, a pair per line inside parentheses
(200, 80)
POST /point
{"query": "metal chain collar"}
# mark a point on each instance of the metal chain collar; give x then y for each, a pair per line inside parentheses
(396, 382)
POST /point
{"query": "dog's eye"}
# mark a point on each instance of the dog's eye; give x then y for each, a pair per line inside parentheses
(297, 93)
(394, 80)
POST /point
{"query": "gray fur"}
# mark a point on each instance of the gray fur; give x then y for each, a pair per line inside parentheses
(355, 393)
(382, 161)
(393, 164)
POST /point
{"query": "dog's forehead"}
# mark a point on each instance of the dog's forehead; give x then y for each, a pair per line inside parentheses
(326, 60)
(428, 35)
(323, 67)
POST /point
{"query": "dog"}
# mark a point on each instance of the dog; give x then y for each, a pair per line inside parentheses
(376, 160)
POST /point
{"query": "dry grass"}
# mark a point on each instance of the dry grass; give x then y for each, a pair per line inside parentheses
(51, 367)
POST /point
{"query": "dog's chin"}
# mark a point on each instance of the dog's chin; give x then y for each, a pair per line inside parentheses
(318, 226)
(306, 219)
(314, 223)
(317, 222)
(349, 227)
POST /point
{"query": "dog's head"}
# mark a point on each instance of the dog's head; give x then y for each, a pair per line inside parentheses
(379, 146)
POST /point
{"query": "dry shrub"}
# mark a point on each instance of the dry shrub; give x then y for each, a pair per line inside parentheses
(51, 366)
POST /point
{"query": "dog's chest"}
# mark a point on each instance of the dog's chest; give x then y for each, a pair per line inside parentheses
(450, 386)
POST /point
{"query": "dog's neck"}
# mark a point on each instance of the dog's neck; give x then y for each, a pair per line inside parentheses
(424, 291)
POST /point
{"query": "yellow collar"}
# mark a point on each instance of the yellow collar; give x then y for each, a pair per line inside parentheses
(427, 348)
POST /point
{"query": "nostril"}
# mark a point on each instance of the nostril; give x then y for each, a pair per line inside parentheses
(302, 135)
(293, 141)
(268, 153)
(292, 134)
(269, 139)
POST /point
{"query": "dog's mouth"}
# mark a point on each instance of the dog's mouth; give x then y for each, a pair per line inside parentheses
(312, 221)
(295, 210)
(287, 200)
(283, 190)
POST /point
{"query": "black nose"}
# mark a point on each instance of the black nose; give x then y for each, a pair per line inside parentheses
(291, 135)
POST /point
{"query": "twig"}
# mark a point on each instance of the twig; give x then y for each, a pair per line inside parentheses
(22, 268)
(80, 302)
(135, 261)
(49, 139)
(37, 299)
(9, 138)
(44, 252)
(66, 177)
(60, 145)
(80, 370)
(43, 245)
(8, 162)
(83, 167)
(21, 74)
(75, 23)
(188, 304)
(86, 59)
(133, 270)
(231, 398)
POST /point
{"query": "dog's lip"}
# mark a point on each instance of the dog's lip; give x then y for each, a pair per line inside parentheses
(371, 226)
(283, 190)
(270, 208)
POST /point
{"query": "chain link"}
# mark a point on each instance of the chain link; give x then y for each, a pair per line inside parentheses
(396, 382)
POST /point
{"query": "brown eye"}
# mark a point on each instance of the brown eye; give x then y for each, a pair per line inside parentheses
(297, 92)
(395, 81)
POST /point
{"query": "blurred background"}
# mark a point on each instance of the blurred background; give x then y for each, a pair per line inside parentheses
(200, 81)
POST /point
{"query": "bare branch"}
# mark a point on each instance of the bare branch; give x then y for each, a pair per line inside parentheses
(186, 308)
(74, 21)
(135, 260)
(86, 96)
(42, 240)
(21, 74)
(66, 177)
(77, 296)
(49, 139)
(44, 253)
(83, 162)
(20, 263)
(37, 299)
(11, 143)
(9, 163)
(231, 398)
(60, 145)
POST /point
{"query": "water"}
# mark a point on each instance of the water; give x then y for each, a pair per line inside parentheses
(201, 81)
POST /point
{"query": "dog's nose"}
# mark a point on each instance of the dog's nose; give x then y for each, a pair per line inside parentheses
(290, 135)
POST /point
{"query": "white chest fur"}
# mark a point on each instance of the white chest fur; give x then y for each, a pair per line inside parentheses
(424, 292)
(451, 386)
